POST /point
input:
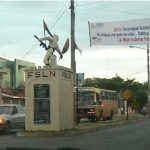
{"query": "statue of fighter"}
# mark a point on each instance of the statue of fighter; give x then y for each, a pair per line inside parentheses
(52, 46)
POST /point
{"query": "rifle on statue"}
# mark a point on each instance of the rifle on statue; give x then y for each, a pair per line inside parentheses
(42, 43)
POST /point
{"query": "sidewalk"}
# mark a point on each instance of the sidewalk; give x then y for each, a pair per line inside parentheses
(118, 120)
(85, 127)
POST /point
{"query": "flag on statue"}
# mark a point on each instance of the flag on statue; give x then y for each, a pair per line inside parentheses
(66, 46)
(46, 28)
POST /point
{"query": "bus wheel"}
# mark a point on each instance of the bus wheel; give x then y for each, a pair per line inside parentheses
(92, 119)
(78, 119)
(104, 118)
(97, 119)
(111, 115)
(7, 128)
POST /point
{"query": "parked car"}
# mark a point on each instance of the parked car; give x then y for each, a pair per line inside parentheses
(12, 116)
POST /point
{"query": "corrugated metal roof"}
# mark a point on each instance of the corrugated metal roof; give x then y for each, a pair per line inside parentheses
(3, 59)
(11, 96)
(1, 71)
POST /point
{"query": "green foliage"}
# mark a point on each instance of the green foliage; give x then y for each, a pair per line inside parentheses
(139, 91)
(111, 84)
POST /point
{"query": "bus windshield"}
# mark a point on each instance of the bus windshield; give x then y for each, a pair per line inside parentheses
(85, 98)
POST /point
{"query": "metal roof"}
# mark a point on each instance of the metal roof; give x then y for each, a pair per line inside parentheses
(11, 96)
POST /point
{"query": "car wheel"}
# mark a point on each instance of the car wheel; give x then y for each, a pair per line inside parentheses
(7, 127)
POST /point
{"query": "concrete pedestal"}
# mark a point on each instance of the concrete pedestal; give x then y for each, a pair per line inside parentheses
(49, 99)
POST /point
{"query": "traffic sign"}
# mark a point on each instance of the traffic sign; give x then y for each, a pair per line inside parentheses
(127, 94)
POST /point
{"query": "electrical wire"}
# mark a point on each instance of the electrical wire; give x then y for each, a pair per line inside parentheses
(138, 72)
(29, 51)
(124, 12)
(89, 11)
(112, 10)
(58, 16)
(52, 25)
(87, 4)
(97, 7)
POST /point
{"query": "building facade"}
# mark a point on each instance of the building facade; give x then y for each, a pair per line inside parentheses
(13, 79)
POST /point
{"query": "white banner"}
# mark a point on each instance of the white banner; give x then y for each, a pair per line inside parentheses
(120, 33)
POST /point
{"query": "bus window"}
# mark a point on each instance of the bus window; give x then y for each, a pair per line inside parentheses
(97, 97)
(85, 98)
(103, 97)
(99, 102)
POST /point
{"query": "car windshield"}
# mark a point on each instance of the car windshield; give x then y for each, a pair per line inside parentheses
(4, 109)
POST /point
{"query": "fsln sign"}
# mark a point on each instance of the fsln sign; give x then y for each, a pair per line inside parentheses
(129, 32)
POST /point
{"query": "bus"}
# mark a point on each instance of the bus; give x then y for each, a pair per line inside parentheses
(96, 104)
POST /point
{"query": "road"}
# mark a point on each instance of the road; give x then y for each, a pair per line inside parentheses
(135, 136)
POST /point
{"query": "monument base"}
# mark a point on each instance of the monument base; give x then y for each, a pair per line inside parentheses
(49, 99)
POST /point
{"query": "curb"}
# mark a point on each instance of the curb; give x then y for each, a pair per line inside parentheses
(85, 127)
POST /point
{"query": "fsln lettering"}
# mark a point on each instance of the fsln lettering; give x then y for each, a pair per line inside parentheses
(43, 74)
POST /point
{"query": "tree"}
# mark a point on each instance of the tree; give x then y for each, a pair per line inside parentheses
(139, 96)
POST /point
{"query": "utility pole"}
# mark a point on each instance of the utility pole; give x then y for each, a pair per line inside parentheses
(148, 75)
(73, 62)
(148, 66)
(148, 84)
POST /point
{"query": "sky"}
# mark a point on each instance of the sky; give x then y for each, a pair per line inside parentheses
(21, 20)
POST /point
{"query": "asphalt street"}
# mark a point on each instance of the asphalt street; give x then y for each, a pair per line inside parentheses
(132, 136)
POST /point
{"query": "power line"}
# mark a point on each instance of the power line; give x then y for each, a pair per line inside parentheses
(89, 11)
(57, 20)
(138, 72)
(95, 3)
(28, 11)
(52, 25)
(87, 4)
(112, 10)
(58, 16)
(125, 12)
(29, 51)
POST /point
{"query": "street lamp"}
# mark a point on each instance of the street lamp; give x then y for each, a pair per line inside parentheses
(148, 73)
